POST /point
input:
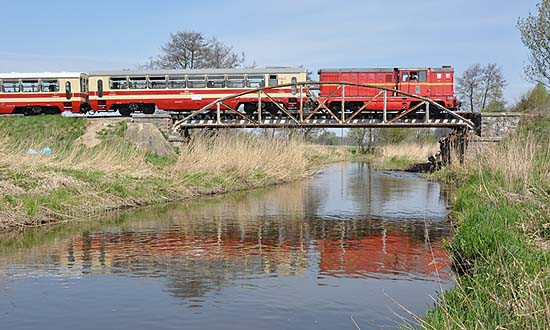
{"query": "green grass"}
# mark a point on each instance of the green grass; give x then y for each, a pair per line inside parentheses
(504, 273)
(40, 131)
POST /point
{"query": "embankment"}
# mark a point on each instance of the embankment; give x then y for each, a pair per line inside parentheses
(500, 248)
(80, 180)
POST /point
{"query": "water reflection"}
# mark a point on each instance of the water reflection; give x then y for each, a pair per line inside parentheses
(349, 223)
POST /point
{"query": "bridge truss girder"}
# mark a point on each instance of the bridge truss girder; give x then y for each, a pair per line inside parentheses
(426, 113)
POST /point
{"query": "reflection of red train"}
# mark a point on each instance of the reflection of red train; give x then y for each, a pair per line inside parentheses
(434, 83)
(369, 256)
(187, 90)
(376, 255)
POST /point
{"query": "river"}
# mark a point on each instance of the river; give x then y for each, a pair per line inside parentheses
(349, 246)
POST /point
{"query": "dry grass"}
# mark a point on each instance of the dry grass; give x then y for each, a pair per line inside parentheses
(243, 156)
(411, 151)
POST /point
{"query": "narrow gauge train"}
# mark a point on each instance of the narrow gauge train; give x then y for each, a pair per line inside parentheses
(186, 90)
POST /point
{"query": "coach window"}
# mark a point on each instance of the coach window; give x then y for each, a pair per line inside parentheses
(118, 83)
(100, 88)
(11, 86)
(255, 81)
(216, 82)
(49, 86)
(68, 93)
(138, 83)
(235, 81)
(157, 82)
(30, 86)
(273, 80)
(405, 76)
(196, 82)
(176, 82)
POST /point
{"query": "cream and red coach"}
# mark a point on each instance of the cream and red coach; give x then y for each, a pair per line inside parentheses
(434, 83)
(187, 90)
(33, 93)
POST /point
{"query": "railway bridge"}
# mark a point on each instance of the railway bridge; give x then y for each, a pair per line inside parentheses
(313, 111)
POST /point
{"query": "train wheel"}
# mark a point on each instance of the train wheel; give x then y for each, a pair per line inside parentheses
(124, 111)
(33, 111)
(148, 109)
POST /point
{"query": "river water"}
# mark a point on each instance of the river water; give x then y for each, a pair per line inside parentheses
(350, 245)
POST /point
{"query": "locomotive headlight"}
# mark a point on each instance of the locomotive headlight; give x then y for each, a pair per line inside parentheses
(450, 98)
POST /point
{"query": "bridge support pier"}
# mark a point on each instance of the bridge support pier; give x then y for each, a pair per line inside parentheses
(453, 147)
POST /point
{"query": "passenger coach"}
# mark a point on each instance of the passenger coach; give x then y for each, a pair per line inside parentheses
(34, 93)
(187, 90)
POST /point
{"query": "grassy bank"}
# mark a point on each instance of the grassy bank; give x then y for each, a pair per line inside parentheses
(77, 181)
(501, 245)
(399, 156)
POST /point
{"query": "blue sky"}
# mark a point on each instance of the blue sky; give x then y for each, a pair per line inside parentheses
(93, 35)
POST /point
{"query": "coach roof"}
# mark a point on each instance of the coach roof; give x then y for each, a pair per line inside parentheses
(269, 70)
(38, 75)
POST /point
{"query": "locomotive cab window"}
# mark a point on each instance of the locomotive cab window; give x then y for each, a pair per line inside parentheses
(255, 81)
(49, 86)
(138, 83)
(157, 82)
(118, 83)
(413, 76)
(30, 86)
(235, 81)
(405, 77)
(216, 82)
(422, 76)
(176, 82)
(196, 82)
(10, 86)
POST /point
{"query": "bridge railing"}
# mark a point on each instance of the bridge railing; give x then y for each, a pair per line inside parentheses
(311, 105)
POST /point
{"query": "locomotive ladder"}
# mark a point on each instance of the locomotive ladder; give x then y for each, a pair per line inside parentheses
(316, 113)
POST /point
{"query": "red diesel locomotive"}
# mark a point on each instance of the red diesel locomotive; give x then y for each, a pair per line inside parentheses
(434, 83)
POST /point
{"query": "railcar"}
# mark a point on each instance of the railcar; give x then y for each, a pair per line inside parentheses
(187, 90)
(434, 83)
(35, 93)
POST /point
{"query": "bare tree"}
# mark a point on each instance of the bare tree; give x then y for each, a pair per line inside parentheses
(363, 138)
(492, 84)
(192, 50)
(468, 84)
(219, 55)
(535, 35)
(479, 87)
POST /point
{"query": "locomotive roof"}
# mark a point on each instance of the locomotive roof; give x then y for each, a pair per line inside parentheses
(273, 70)
(438, 69)
(37, 75)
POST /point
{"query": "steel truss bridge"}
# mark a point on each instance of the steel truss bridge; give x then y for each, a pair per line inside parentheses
(313, 111)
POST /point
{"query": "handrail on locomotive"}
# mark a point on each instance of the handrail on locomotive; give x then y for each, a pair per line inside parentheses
(304, 119)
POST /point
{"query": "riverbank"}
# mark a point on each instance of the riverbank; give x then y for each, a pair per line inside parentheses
(76, 181)
(501, 244)
(407, 156)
